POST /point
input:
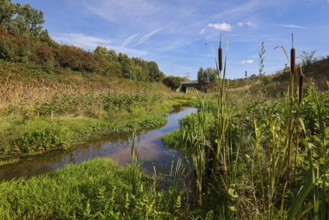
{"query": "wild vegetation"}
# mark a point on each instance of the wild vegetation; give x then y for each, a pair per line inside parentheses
(40, 113)
(268, 160)
(97, 189)
(263, 155)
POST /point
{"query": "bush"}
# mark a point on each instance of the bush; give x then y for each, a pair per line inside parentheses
(44, 54)
(173, 82)
(71, 57)
(6, 49)
(41, 140)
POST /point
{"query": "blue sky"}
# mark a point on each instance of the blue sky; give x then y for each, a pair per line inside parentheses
(179, 34)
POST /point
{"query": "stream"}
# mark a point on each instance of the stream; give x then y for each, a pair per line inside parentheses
(117, 147)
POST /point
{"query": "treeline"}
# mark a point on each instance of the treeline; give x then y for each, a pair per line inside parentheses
(207, 75)
(23, 39)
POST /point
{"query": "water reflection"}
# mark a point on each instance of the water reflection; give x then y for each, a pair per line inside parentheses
(149, 145)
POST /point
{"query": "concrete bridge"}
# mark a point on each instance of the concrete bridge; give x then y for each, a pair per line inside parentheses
(194, 84)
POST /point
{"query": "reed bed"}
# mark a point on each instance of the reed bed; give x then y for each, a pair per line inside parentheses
(266, 161)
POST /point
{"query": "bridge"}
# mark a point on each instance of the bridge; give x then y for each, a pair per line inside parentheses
(194, 84)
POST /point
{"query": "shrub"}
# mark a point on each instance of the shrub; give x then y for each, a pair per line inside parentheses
(71, 57)
(41, 140)
(44, 54)
(6, 49)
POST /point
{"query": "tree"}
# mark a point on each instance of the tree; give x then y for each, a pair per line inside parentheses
(308, 58)
(22, 19)
(206, 75)
(7, 12)
(126, 65)
(154, 73)
(173, 82)
(110, 55)
(141, 69)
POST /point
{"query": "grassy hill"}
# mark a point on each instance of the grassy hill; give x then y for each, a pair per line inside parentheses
(43, 111)
(275, 84)
(267, 88)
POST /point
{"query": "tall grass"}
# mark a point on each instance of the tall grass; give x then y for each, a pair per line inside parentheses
(268, 160)
(40, 113)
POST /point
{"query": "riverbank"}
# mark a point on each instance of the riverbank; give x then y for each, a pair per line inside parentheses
(44, 112)
(97, 189)
(115, 146)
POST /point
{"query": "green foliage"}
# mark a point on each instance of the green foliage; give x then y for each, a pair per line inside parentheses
(7, 11)
(253, 169)
(22, 19)
(6, 49)
(45, 126)
(96, 189)
(308, 58)
(155, 75)
(173, 82)
(42, 140)
(206, 76)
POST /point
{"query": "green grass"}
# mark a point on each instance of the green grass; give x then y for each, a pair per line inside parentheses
(39, 135)
(97, 189)
(41, 111)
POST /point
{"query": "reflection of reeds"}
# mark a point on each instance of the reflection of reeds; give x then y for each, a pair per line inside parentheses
(135, 166)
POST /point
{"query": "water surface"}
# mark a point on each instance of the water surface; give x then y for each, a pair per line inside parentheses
(117, 147)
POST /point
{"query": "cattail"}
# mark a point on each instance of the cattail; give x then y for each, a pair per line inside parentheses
(220, 55)
(292, 57)
(292, 60)
(220, 58)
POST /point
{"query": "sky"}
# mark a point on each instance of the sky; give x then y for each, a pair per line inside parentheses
(184, 35)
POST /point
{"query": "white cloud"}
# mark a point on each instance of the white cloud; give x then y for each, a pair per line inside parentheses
(234, 10)
(248, 23)
(251, 24)
(147, 36)
(81, 40)
(246, 62)
(113, 10)
(128, 40)
(130, 51)
(221, 26)
(291, 26)
(91, 42)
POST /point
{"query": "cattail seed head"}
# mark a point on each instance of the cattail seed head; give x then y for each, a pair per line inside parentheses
(292, 60)
(220, 58)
